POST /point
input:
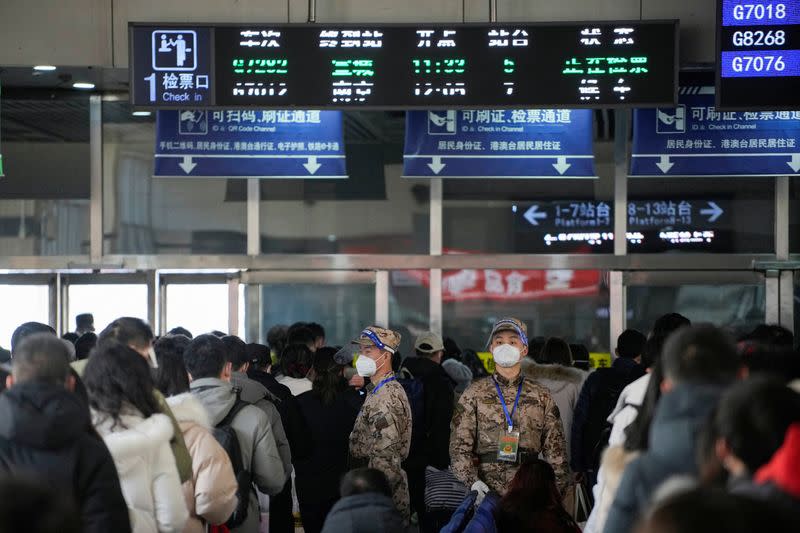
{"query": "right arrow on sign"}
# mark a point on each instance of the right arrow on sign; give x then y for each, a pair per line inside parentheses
(794, 164)
(664, 164)
(713, 211)
(561, 165)
(312, 166)
(533, 215)
(436, 164)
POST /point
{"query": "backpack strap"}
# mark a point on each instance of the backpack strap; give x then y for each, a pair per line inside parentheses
(238, 406)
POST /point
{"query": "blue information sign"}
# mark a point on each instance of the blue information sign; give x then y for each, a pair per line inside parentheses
(502, 143)
(250, 144)
(694, 139)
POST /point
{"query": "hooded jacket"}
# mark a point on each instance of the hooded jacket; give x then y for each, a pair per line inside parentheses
(259, 450)
(45, 432)
(679, 417)
(211, 493)
(371, 512)
(147, 471)
(252, 391)
(564, 384)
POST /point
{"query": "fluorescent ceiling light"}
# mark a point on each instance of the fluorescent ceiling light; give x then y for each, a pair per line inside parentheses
(44, 68)
(82, 85)
(141, 113)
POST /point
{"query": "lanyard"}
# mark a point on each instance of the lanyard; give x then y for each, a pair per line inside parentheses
(509, 418)
(382, 383)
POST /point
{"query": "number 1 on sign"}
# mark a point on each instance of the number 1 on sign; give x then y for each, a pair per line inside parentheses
(152, 79)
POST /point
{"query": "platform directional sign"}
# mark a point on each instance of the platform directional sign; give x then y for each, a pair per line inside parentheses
(694, 139)
(502, 143)
(250, 144)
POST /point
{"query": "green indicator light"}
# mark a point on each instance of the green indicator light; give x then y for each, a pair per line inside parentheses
(261, 66)
(456, 65)
(509, 65)
(611, 65)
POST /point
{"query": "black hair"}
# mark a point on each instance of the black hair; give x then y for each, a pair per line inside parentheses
(235, 351)
(258, 355)
(781, 362)
(451, 349)
(364, 480)
(396, 361)
(170, 377)
(556, 351)
(317, 330)
(637, 434)
(71, 337)
(580, 357)
(296, 360)
(84, 345)
(669, 323)
(27, 329)
(41, 358)
(205, 357)
(128, 330)
(300, 335)
(652, 351)
(84, 320)
(753, 417)
(771, 334)
(217, 333)
(35, 506)
(180, 331)
(535, 346)
(473, 362)
(710, 468)
(276, 338)
(701, 354)
(328, 380)
(297, 325)
(116, 376)
(630, 344)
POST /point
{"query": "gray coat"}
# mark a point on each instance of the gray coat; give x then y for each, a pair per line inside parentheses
(254, 392)
(564, 384)
(256, 440)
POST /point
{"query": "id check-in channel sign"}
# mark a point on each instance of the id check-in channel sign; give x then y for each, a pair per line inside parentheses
(175, 69)
(694, 139)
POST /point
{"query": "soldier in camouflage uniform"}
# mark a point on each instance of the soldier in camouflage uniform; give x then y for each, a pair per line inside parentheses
(480, 421)
(381, 437)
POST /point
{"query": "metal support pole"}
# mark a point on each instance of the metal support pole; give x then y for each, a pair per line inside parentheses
(435, 288)
(54, 301)
(252, 298)
(772, 284)
(96, 178)
(152, 298)
(492, 10)
(785, 311)
(162, 306)
(617, 306)
(312, 10)
(382, 298)
(233, 306)
(253, 216)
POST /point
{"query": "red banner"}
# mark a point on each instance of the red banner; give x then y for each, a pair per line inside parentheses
(491, 284)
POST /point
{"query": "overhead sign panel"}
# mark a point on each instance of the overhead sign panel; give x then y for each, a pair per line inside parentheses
(404, 66)
(503, 143)
(249, 143)
(695, 139)
(758, 54)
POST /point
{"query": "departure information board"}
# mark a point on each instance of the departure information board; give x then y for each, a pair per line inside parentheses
(758, 44)
(404, 66)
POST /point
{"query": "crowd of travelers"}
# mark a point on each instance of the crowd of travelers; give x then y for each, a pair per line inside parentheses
(688, 430)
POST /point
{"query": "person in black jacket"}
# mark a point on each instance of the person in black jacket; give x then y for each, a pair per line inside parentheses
(46, 434)
(598, 397)
(281, 519)
(439, 402)
(330, 408)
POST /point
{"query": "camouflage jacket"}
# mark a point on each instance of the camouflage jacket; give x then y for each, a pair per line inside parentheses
(479, 420)
(381, 437)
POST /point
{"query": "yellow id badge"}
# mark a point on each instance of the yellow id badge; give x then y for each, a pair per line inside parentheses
(508, 446)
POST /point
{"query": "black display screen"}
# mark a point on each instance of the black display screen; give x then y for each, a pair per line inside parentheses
(758, 54)
(405, 66)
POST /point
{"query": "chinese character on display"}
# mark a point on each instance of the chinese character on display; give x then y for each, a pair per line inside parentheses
(463, 281)
(493, 281)
(558, 279)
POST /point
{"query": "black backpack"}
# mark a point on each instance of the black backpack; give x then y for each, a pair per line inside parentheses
(226, 436)
(415, 391)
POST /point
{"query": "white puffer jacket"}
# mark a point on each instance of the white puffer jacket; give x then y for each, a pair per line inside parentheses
(147, 471)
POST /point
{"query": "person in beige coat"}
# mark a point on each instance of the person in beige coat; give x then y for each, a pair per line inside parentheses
(211, 492)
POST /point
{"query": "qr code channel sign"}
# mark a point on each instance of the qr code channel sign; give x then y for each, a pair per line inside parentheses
(174, 50)
(192, 122)
(671, 119)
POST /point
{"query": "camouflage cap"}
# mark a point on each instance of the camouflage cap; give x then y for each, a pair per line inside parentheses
(383, 338)
(510, 324)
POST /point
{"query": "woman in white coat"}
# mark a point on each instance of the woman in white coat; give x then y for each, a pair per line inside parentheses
(126, 415)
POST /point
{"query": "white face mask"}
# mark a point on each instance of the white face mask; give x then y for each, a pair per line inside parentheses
(366, 367)
(506, 355)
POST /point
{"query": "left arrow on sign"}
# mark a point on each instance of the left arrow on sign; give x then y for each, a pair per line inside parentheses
(187, 165)
(533, 215)
(312, 166)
